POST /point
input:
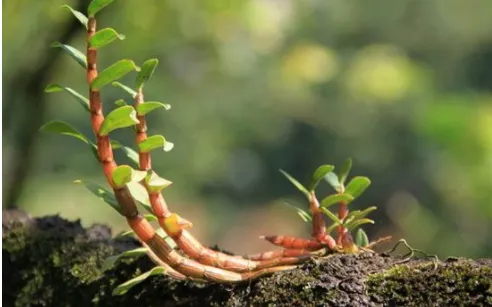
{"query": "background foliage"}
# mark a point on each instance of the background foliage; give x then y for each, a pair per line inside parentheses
(402, 87)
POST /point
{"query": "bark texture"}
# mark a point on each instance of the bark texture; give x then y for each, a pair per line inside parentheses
(50, 261)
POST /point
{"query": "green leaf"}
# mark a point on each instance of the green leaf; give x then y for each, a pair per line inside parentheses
(148, 68)
(361, 238)
(127, 89)
(97, 5)
(102, 193)
(120, 103)
(74, 53)
(104, 37)
(153, 142)
(139, 193)
(148, 106)
(297, 184)
(124, 287)
(319, 174)
(332, 227)
(150, 217)
(114, 72)
(156, 183)
(335, 198)
(332, 179)
(84, 102)
(124, 174)
(110, 261)
(357, 186)
(345, 170)
(81, 17)
(115, 144)
(354, 224)
(131, 154)
(303, 214)
(61, 127)
(332, 216)
(121, 117)
(358, 214)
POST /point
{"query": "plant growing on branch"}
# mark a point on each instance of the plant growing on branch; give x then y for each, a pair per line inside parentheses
(136, 185)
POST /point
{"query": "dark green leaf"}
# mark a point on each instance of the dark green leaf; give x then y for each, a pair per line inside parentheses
(131, 154)
(148, 106)
(156, 183)
(345, 170)
(102, 193)
(114, 72)
(53, 88)
(153, 142)
(74, 53)
(124, 174)
(332, 216)
(121, 117)
(319, 174)
(332, 179)
(148, 68)
(335, 198)
(361, 238)
(81, 17)
(297, 184)
(104, 37)
(125, 88)
(124, 287)
(97, 5)
(357, 186)
(61, 127)
(110, 261)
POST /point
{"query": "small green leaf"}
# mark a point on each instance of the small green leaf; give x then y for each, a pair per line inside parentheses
(104, 37)
(335, 198)
(61, 127)
(354, 224)
(332, 227)
(148, 106)
(131, 154)
(332, 216)
(358, 214)
(120, 103)
(81, 17)
(148, 68)
(139, 193)
(345, 170)
(357, 186)
(156, 183)
(121, 117)
(332, 179)
(115, 144)
(124, 287)
(53, 88)
(319, 174)
(150, 217)
(127, 89)
(297, 184)
(124, 174)
(102, 193)
(110, 261)
(97, 5)
(114, 72)
(74, 53)
(361, 238)
(153, 142)
(303, 214)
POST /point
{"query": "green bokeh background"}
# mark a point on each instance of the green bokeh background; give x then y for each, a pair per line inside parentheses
(402, 87)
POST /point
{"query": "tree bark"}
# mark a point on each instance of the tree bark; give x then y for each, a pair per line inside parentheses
(50, 261)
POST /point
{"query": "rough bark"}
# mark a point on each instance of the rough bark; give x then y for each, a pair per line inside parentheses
(50, 261)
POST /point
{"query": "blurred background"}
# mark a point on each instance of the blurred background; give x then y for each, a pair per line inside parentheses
(402, 87)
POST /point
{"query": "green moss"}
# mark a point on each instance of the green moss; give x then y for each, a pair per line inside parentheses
(464, 282)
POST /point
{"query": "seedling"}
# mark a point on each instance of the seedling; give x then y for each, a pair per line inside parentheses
(136, 184)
